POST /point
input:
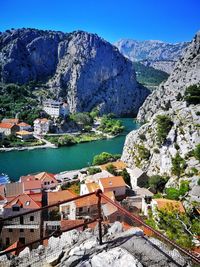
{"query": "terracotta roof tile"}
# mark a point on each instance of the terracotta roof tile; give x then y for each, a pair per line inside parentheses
(163, 203)
(31, 185)
(24, 124)
(12, 120)
(54, 197)
(6, 125)
(92, 187)
(26, 201)
(111, 182)
(24, 132)
(65, 224)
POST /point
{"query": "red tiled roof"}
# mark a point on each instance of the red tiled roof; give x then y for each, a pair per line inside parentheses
(24, 199)
(28, 178)
(54, 197)
(43, 175)
(65, 224)
(13, 121)
(31, 185)
(15, 245)
(6, 125)
(111, 182)
(163, 203)
(23, 124)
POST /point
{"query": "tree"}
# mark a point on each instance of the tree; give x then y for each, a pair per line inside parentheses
(105, 157)
(197, 152)
(164, 125)
(178, 165)
(157, 182)
(93, 170)
(126, 176)
(111, 169)
(192, 94)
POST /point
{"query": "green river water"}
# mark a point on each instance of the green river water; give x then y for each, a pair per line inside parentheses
(17, 163)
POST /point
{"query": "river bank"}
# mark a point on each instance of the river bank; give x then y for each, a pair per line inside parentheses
(16, 163)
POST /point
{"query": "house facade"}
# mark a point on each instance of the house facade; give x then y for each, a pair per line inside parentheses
(24, 126)
(113, 184)
(8, 128)
(55, 108)
(42, 126)
(24, 229)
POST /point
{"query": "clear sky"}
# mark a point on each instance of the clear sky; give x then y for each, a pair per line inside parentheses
(166, 20)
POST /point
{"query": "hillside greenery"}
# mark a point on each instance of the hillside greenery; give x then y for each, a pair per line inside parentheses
(164, 125)
(148, 75)
(19, 100)
(192, 94)
(110, 126)
(105, 157)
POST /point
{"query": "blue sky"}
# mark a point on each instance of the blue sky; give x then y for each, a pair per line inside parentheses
(167, 20)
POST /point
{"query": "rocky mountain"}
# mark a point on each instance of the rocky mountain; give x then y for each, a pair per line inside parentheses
(81, 248)
(157, 54)
(166, 111)
(80, 67)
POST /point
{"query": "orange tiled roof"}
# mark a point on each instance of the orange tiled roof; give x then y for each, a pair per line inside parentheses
(163, 203)
(24, 199)
(65, 224)
(6, 125)
(13, 121)
(2, 198)
(23, 124)
(31, 185)
(118, 164)
(28, 178)
(92, 200)
(54, 197)
(92, 187)
(42, 120)
(111, 182)
(15, 245)
(43, 175)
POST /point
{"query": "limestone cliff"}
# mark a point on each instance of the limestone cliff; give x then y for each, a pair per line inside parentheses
(157, 54)
(80, 67)
(141, 147)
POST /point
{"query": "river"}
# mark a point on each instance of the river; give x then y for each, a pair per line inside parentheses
(18, 163)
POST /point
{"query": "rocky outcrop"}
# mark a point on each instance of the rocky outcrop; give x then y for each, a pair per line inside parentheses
(82, 68)
(141, 147)
(185, 73)
(157, 54)
(130, 248)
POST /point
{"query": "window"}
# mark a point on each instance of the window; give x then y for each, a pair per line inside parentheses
(10, 230)
(21, 230)
(21, 220)
(80, 209)
(32, 230)
(31, 218)
(27, 203)
(22, 240)
(45, 183)
(15, 208)
(7, 241)
(52, 182)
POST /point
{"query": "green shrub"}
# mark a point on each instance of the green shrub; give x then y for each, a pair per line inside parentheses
(93, 170)
(142, 137)
(197, 152)
(126, 176)
(111, 169)
(164, 125)
(192, 94)
(178, 165)
(198, 182)
(156, 150)
(157, 182)
(176, 146)
(105, 157)
(174, 194)
(143, 152)
(110, 126)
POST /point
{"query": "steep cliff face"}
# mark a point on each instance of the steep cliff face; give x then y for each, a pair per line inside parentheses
(185, 73)
(141, 146)
(157, 54)
(80, 67)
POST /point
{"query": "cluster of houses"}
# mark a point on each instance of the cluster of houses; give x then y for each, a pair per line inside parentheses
(41, 126)
(37, 190)
(22, 130)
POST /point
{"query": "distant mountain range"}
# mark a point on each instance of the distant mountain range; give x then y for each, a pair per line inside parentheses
(157, 54)
(80, 67)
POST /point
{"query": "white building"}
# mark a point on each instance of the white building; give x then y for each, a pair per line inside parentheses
(55, 108)
(42, 126)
